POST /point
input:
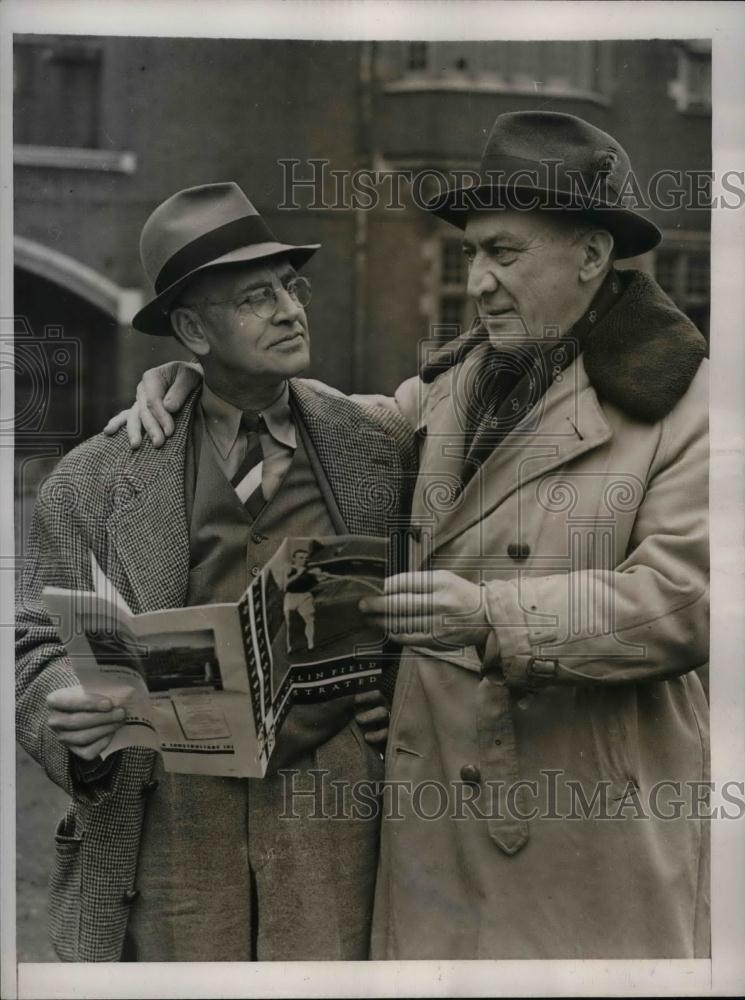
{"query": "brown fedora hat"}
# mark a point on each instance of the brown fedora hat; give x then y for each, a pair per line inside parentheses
(202, 227)
(548, 160)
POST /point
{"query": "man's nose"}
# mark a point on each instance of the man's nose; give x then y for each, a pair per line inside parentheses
(481, 280)
(288, 308)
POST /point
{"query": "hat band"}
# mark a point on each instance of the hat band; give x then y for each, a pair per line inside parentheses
(547, 175)
(204, 249)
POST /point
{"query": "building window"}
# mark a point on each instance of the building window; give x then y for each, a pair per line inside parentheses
(451, 312)
(691, 88)
(684, 275)
(417, 56)
(453, 264)
(557, 67)
(454, 309)
(57, 86)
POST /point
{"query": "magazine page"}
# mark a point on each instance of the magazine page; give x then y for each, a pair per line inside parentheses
(306, 640)
(210, 686)
(179, 673)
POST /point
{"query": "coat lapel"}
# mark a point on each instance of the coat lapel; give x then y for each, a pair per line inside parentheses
(443, 428)
(361, 463)
(567, 423)
(148, 531)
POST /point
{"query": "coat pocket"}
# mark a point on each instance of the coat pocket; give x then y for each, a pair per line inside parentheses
(65, 887)
(615, 737)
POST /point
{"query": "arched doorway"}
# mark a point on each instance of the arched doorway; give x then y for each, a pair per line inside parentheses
(70, 322)
(69, 327)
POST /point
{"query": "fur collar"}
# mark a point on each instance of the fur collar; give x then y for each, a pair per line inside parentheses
(643, 354)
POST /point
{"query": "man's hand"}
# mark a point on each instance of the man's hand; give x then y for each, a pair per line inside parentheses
(85, 723)
(161, 392)
(372, 715)
(430, 609)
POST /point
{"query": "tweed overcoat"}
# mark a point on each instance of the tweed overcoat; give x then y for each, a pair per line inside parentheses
(588, 528)
(128, 508)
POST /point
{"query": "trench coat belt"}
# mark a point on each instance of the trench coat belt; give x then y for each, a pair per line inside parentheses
(498, 763)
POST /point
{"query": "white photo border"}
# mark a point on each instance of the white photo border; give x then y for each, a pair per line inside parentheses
(469, 20)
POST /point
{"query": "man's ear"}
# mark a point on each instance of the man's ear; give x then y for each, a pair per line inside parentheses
(597, 254)
(189, 329)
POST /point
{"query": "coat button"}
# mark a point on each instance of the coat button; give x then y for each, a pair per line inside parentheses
(149, 787)
(130, 896)
(255, 570)
(470, 774)
(518, 551)
(257, 539)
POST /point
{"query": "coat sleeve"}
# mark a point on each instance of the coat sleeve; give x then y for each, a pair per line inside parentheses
(57, 549)
(406, 402)
(647, 618)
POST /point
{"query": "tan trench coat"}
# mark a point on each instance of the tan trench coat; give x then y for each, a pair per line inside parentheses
(589, 529)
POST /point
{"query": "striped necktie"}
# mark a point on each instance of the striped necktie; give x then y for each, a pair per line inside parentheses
(247, 480)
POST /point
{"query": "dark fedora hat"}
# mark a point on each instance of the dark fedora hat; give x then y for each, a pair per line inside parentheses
(199, 228)
(548, 160)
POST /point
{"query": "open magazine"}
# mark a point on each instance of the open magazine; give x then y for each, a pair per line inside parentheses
(210, 686)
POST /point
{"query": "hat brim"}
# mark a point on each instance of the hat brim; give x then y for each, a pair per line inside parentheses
(154, 318)
(631, 232)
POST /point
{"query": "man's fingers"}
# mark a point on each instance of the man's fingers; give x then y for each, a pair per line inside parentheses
(134, 427)
(400, 603)
(372, 715)
(67, 722)
(376, 737)
(412, 633)
(149, 423)
(116, 422)
(373, 605)
(75, 699)
(154, 388)
(422, 582)
(373, 697)
(396, 624)
(398, 620)
(85, 737)
(186, 379)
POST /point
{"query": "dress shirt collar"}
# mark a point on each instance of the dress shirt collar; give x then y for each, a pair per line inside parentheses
(223, 420)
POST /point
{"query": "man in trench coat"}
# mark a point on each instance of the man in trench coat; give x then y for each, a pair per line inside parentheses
(573, 545)
(549, 732)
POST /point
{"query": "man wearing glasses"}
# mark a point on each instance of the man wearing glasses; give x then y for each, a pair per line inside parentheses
(155, 866)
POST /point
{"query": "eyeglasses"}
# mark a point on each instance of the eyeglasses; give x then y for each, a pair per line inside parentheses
(263, 302)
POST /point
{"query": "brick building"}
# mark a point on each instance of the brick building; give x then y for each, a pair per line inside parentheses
(107, 127)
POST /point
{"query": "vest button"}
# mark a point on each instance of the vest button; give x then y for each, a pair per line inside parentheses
(255, 570)
(470, 774)
(518, 551)
(130, 896)
(150, 786)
